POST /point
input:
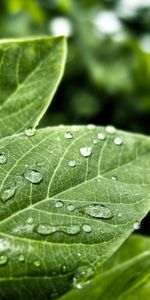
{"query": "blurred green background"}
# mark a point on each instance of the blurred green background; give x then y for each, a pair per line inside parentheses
(107, 76)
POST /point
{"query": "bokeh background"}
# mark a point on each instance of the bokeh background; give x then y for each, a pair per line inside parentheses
(107, 76)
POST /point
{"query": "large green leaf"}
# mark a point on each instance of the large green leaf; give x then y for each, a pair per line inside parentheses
(69, 198)
(30, 71)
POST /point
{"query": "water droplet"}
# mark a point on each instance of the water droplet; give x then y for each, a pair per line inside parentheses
(75, 128)
(64, 269)
(79, 254)
(97, 211)
(119, 215)
(87, 228)
(110, 129)
(33, 176)
(137, 225)
(30, 221)
(95, 141)
(101, 136)
(114, 178)
(7, 193)
(21, 258)
(71, 207)
(68, 135)
(91, 126)
(46, 229)
(99, 179)
(37, 263)
(30, 131)
(73, 229)
(102, 232)
(72, 163)
(3, 159)
(118, 141)
(86, 151)
(59, 204)
(3, 260)
(83, 276)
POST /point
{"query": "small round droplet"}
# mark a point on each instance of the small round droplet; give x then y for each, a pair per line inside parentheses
(119, 215)
(71, 207)
(110, 129)
(33, 176)
(97, 211)
(7, 193)
(73, 229)
(87, 228)
(101, 136)
(3, 260)
(79, 254)
(118, 141)
(59, 204)
(114, 177)
(91, 126)
(37, 263)
(86, 151)
(95, 142)
(75, 128)
(30, 221)
(3, 159)
(30, 131)
(68, 135)
(72, 163)
(21, 258)
(137, 225)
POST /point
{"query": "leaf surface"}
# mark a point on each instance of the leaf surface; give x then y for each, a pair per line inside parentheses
(126, 275)
(30, 71)
(68, 201)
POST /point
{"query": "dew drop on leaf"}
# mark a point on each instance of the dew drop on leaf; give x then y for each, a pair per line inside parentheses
(86, 151)
(3, 159)
(118, 141)
(71, 207)
(3, 260)
(91, 126)
(101, 136)
(46, 229)
(110, 129)
(30, 131)
(97, 211)
(7, 193)
(33, 176)
(95, 142)
(114, 177)
(59, 204)
(21, 258)
(83, 276)
(30, 221)
(37, 263)
(137, 225)
(72, 163)
(87, 228)
(68, 135)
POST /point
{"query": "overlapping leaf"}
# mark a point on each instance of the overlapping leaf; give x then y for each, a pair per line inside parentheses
(30, 71)
(68, 200)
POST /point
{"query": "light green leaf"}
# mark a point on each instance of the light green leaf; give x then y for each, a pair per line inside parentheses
(30, 71)
(69, 198)
(125, 276)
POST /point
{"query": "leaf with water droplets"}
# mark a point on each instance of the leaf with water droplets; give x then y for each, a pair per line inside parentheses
(30, 72)
(67, 204)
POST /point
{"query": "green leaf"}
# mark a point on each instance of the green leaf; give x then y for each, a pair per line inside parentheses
(125, 275)
(30, 71)
(65, 208)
